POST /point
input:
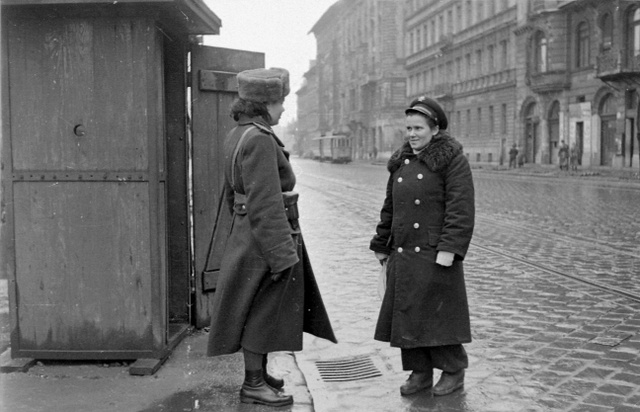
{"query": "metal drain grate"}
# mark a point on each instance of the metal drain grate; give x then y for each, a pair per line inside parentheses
(349, 369)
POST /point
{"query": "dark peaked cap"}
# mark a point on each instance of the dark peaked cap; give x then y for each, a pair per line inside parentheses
(429, 108)
(263, 85)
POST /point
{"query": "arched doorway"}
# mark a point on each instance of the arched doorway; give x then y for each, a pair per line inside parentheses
(531, 139)
(608, 144)
(553, 121)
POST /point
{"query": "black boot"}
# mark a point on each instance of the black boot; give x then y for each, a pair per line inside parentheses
(449, 382)
(271, 381)
(417, 381)
(255, 390)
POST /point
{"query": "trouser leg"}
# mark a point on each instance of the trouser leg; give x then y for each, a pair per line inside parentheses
(416, 359)
(449, 358)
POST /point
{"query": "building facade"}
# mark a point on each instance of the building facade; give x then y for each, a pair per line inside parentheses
(530, 73)
(463, 53)
(360, 74)
(581, 81)
(307, 124)
(533, 73)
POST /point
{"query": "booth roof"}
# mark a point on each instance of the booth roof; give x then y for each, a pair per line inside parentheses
(196, 16)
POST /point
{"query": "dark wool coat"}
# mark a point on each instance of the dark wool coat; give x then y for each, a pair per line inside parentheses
(429, 207)
(249, 309)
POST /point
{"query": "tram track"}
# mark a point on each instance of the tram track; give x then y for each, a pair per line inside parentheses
(564, 274)
(361, 200)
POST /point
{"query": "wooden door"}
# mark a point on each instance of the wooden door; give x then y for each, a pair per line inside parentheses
(608, 140)
(213, 89)
(84, 237)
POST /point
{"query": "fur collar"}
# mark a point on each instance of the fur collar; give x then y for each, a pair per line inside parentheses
(436, 155)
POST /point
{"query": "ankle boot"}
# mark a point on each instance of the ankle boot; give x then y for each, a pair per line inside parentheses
(449, 382)
(417, 381)
(255, 390)
(271, 381)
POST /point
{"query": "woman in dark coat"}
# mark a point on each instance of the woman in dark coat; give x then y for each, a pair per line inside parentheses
(267, 294)
(424, 232)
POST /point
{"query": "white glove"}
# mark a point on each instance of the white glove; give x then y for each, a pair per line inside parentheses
(445, 258)
(381, 256)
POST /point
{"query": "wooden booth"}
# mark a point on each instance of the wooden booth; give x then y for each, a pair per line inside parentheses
(113, 118)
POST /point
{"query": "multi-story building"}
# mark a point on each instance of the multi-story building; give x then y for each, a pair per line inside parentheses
(462, 53)
(531, 73)
(307, 124)
(581, 80)
(360, 74)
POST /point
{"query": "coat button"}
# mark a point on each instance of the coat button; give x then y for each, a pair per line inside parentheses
(399, 180)
(417, 201)
(417, 249)
(399, 250)
(416, 225)
(420, 176)
(407, 161)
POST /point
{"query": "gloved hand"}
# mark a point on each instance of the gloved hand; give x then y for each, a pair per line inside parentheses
(279, 275)
(381, 256)
(445, 258)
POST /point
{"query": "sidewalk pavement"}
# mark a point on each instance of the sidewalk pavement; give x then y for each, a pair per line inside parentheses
(188, 381)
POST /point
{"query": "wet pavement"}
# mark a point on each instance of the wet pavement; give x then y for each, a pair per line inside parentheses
(555, 309)
(542, 341)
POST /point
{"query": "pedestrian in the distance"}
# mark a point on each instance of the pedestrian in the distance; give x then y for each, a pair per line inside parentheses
(563, 155)
(513, 155)
(267, 294)
(425, 228)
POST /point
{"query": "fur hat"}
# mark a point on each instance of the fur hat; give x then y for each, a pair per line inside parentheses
(263, 85)
(429, 108)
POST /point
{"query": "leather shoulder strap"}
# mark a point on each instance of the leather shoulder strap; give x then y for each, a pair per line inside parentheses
(235, 155)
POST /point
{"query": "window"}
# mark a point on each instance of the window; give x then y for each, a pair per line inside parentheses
(469, 13)
(425, 35)
(491, 120)
(540, 52)
(606, 26)
(467, 58)
(582, 47)
(490, 62)
(458, 19)
(479, 125)
(492, 7)
(458, 68)
(449, 21)
(504, 54)
(433, 32)
(479, 63)
(503, 126)
(468, 121)
(480, 9)
(633, 34)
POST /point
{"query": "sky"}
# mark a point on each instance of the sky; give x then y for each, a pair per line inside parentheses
(278, 28)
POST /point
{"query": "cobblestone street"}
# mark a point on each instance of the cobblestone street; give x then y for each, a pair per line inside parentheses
(544, 340)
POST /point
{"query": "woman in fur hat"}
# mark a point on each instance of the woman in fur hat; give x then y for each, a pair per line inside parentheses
(267, 293)
(424, 232)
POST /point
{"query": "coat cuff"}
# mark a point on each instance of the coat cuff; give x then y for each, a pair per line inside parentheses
(282, 257)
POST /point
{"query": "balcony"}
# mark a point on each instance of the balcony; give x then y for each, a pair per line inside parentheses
(549, 81)
(611, 66)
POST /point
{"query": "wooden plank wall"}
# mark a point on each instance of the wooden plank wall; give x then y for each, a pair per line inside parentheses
(90, 232)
